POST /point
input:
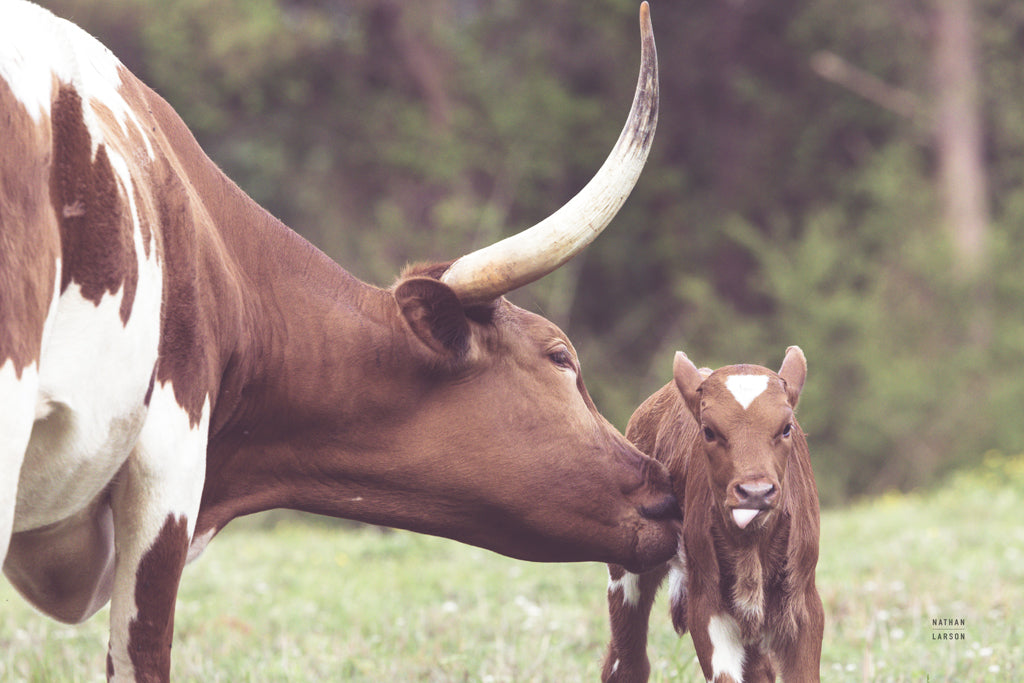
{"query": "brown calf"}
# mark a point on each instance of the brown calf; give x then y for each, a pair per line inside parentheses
(743, 580)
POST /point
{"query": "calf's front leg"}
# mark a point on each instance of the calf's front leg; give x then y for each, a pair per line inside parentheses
(800, 659)
(630, 597)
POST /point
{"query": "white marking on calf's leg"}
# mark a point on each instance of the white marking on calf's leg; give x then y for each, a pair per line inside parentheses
(745, 388)
(677, 578)
(629, 584)
(727, 653)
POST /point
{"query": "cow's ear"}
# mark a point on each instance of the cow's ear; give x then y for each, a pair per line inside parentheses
(435, 315)
(688, 380)
(794, 372)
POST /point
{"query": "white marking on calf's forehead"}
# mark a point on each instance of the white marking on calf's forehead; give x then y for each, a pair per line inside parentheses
(727, 653)
(745, 388)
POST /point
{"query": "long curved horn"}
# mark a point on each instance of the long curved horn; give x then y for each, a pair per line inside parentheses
(490, 272)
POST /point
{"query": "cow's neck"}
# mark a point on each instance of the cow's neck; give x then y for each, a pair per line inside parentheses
(304, 384)
(301, 345)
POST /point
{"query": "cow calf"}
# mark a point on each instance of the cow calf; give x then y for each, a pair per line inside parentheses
(742, 582)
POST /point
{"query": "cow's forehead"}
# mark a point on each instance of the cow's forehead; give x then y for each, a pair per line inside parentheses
(533, 325)
(743, 387)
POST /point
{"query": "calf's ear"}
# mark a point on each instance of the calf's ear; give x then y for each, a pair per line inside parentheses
(435, 315)
(688, 380)
(794, 372)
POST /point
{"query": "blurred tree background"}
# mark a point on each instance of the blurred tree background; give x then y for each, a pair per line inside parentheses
(848, 177)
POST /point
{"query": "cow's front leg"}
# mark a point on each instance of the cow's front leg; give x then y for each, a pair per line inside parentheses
(142, 607)
(155, 502)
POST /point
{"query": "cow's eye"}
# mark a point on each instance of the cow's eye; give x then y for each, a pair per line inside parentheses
(709, 434)
(561, 357)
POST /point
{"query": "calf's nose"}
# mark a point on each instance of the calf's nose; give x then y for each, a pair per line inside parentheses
(758, 494)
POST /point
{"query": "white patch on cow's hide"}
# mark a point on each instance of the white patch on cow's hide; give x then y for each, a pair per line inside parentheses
(745, 388)
(171, 454)
(35, 46)
(727, 653)
(17, 399)
(629, 584)
(94, 373)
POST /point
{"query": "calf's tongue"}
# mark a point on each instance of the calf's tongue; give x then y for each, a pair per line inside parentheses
(743, 517)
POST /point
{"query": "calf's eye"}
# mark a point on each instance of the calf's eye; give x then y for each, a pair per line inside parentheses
(709, 434)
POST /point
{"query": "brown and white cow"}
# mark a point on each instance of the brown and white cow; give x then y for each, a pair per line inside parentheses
(742, 582)
(172, 357)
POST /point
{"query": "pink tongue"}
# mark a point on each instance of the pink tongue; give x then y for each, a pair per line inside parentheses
(743, 517)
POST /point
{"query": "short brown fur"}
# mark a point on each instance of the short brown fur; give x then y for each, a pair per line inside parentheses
(762, 575)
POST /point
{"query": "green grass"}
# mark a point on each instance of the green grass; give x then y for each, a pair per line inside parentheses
(310, 602)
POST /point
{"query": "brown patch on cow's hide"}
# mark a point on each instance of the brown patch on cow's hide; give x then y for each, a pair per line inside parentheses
(97, 248)
(172, 219)
(28, 232)
(156, 585)
(183, 341)
(136, 145)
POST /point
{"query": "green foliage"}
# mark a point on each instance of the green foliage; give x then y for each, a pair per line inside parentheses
(777, 207)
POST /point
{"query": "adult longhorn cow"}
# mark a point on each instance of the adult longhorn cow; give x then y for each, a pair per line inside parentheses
(172, 357)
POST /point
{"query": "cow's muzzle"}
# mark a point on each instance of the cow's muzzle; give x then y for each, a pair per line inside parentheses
(666, 508)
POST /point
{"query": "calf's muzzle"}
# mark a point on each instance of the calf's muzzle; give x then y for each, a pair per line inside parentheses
(756, 495)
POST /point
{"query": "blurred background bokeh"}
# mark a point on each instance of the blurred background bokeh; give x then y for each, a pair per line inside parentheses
(846, 176)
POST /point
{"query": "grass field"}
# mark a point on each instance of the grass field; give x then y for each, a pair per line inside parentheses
(312, 602)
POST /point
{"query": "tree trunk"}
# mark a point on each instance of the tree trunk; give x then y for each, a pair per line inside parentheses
(958, 136)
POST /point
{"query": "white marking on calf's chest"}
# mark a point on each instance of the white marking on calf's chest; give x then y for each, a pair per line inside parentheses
(745, 388)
